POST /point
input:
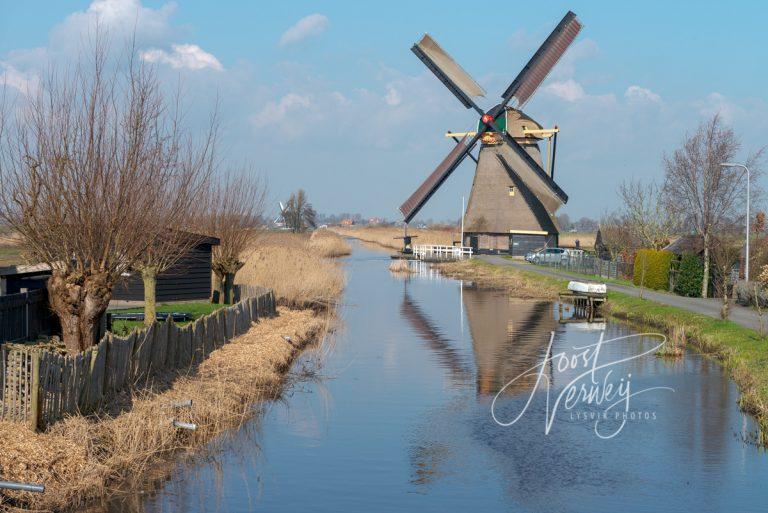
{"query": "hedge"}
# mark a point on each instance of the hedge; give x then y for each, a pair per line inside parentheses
(689, 276)
(657, 262)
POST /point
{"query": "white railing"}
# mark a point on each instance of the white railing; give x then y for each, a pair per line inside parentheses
(436, 252)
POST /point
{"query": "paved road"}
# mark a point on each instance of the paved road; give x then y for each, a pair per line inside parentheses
(742, 315)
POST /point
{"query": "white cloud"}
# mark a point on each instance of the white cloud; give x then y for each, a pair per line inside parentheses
(276, 112)
(568, 90)
(27, 83)
(636, 93)
(186, 56)
(308, 26)
(717, 103)
(119, 19)
(580, 50)
(393, 97)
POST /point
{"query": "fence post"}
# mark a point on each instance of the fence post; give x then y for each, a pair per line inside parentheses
(34, 403)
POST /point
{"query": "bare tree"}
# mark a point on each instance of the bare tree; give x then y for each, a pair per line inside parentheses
(299, 214)
(232, 212)
(81, 164)
(615, 235)
(698, 189)
(182, 201)
(646, 216)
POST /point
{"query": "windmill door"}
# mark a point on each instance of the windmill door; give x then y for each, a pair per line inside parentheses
(520, 244)
(473, 243)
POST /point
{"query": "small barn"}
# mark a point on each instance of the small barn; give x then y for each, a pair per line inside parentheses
(188, 279)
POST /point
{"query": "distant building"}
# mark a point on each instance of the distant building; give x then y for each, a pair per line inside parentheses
(375, 220)
(347, 222)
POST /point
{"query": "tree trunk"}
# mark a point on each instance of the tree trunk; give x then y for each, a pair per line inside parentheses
(228, 288)
(149, 276)
(79, 300)
(216, 288)
(705, 280)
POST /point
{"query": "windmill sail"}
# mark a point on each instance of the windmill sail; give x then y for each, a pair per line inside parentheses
(545, 58)
(447, 70)
(413, 204)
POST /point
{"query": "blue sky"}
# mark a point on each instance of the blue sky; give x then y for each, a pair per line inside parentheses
(327, 96)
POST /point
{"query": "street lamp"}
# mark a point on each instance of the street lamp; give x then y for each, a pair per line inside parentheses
(746, 259)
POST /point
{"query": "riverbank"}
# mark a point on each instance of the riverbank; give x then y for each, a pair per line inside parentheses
(84, 458)
(741, 351)
(485, 275)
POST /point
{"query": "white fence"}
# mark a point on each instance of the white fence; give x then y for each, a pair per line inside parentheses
(436, 252)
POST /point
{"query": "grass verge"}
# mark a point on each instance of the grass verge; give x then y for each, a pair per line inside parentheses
(392, 237)
(522, 284)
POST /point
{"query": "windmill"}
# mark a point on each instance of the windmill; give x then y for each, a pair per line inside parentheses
(513, 200)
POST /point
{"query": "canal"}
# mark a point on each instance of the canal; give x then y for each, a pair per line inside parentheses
(396, 413)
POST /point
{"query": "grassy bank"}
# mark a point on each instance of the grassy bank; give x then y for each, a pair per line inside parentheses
(742, 351)
(387, 236)
(87, 457)
(519, 283)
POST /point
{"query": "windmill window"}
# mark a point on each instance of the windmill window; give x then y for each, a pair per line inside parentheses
(511, 190)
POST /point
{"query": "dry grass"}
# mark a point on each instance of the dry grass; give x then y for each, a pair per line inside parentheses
(387, 235)
(486, 275)
(401, 267)
(83, 458)
(586, 240)
(328, 244)
(300, 276)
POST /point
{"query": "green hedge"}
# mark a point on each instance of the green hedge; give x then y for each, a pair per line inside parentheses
(689, 276)
(657, 263)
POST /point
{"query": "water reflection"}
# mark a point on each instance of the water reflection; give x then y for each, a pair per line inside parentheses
(402, 421)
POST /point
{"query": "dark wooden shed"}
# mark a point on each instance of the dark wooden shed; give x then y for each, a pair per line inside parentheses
(188, 279)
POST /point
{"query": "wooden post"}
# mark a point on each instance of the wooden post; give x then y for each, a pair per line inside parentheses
(34, 403)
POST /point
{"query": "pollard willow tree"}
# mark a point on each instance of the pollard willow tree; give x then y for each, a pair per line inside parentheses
(701, 192)
(86, 163)
(232, 212)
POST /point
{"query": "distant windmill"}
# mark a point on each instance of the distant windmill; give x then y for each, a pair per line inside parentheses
(279, 221)
(513, 200)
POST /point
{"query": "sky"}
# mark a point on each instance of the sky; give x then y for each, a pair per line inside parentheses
(328, 97)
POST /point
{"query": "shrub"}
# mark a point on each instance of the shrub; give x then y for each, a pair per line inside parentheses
(689, 276)
(744, 293)
(656, 263)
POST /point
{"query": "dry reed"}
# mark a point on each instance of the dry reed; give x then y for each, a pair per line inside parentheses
(391, 236)
(83, 458)
(328, 244)
(401, 267)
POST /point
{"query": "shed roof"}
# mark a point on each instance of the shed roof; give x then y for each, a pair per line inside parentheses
(686, 244)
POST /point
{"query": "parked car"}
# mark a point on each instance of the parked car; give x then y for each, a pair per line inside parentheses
(550, 256)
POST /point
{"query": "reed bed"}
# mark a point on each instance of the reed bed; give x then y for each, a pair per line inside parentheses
(82, 458)
(300, 276)
(328, 244)
(401, 267)
(391, 236)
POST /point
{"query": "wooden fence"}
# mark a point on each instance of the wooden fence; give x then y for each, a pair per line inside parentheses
(39, 386)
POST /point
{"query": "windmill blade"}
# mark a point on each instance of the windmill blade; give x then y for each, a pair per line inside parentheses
(533, 74)
(448, 71)
(539, 181)
(413, 204)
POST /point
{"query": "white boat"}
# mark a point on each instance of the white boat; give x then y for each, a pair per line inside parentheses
(587, 287)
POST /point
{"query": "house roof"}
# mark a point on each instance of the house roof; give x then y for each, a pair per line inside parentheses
(686, 244)
(24, 270)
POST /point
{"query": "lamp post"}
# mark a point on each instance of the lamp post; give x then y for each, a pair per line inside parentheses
(746, 258)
